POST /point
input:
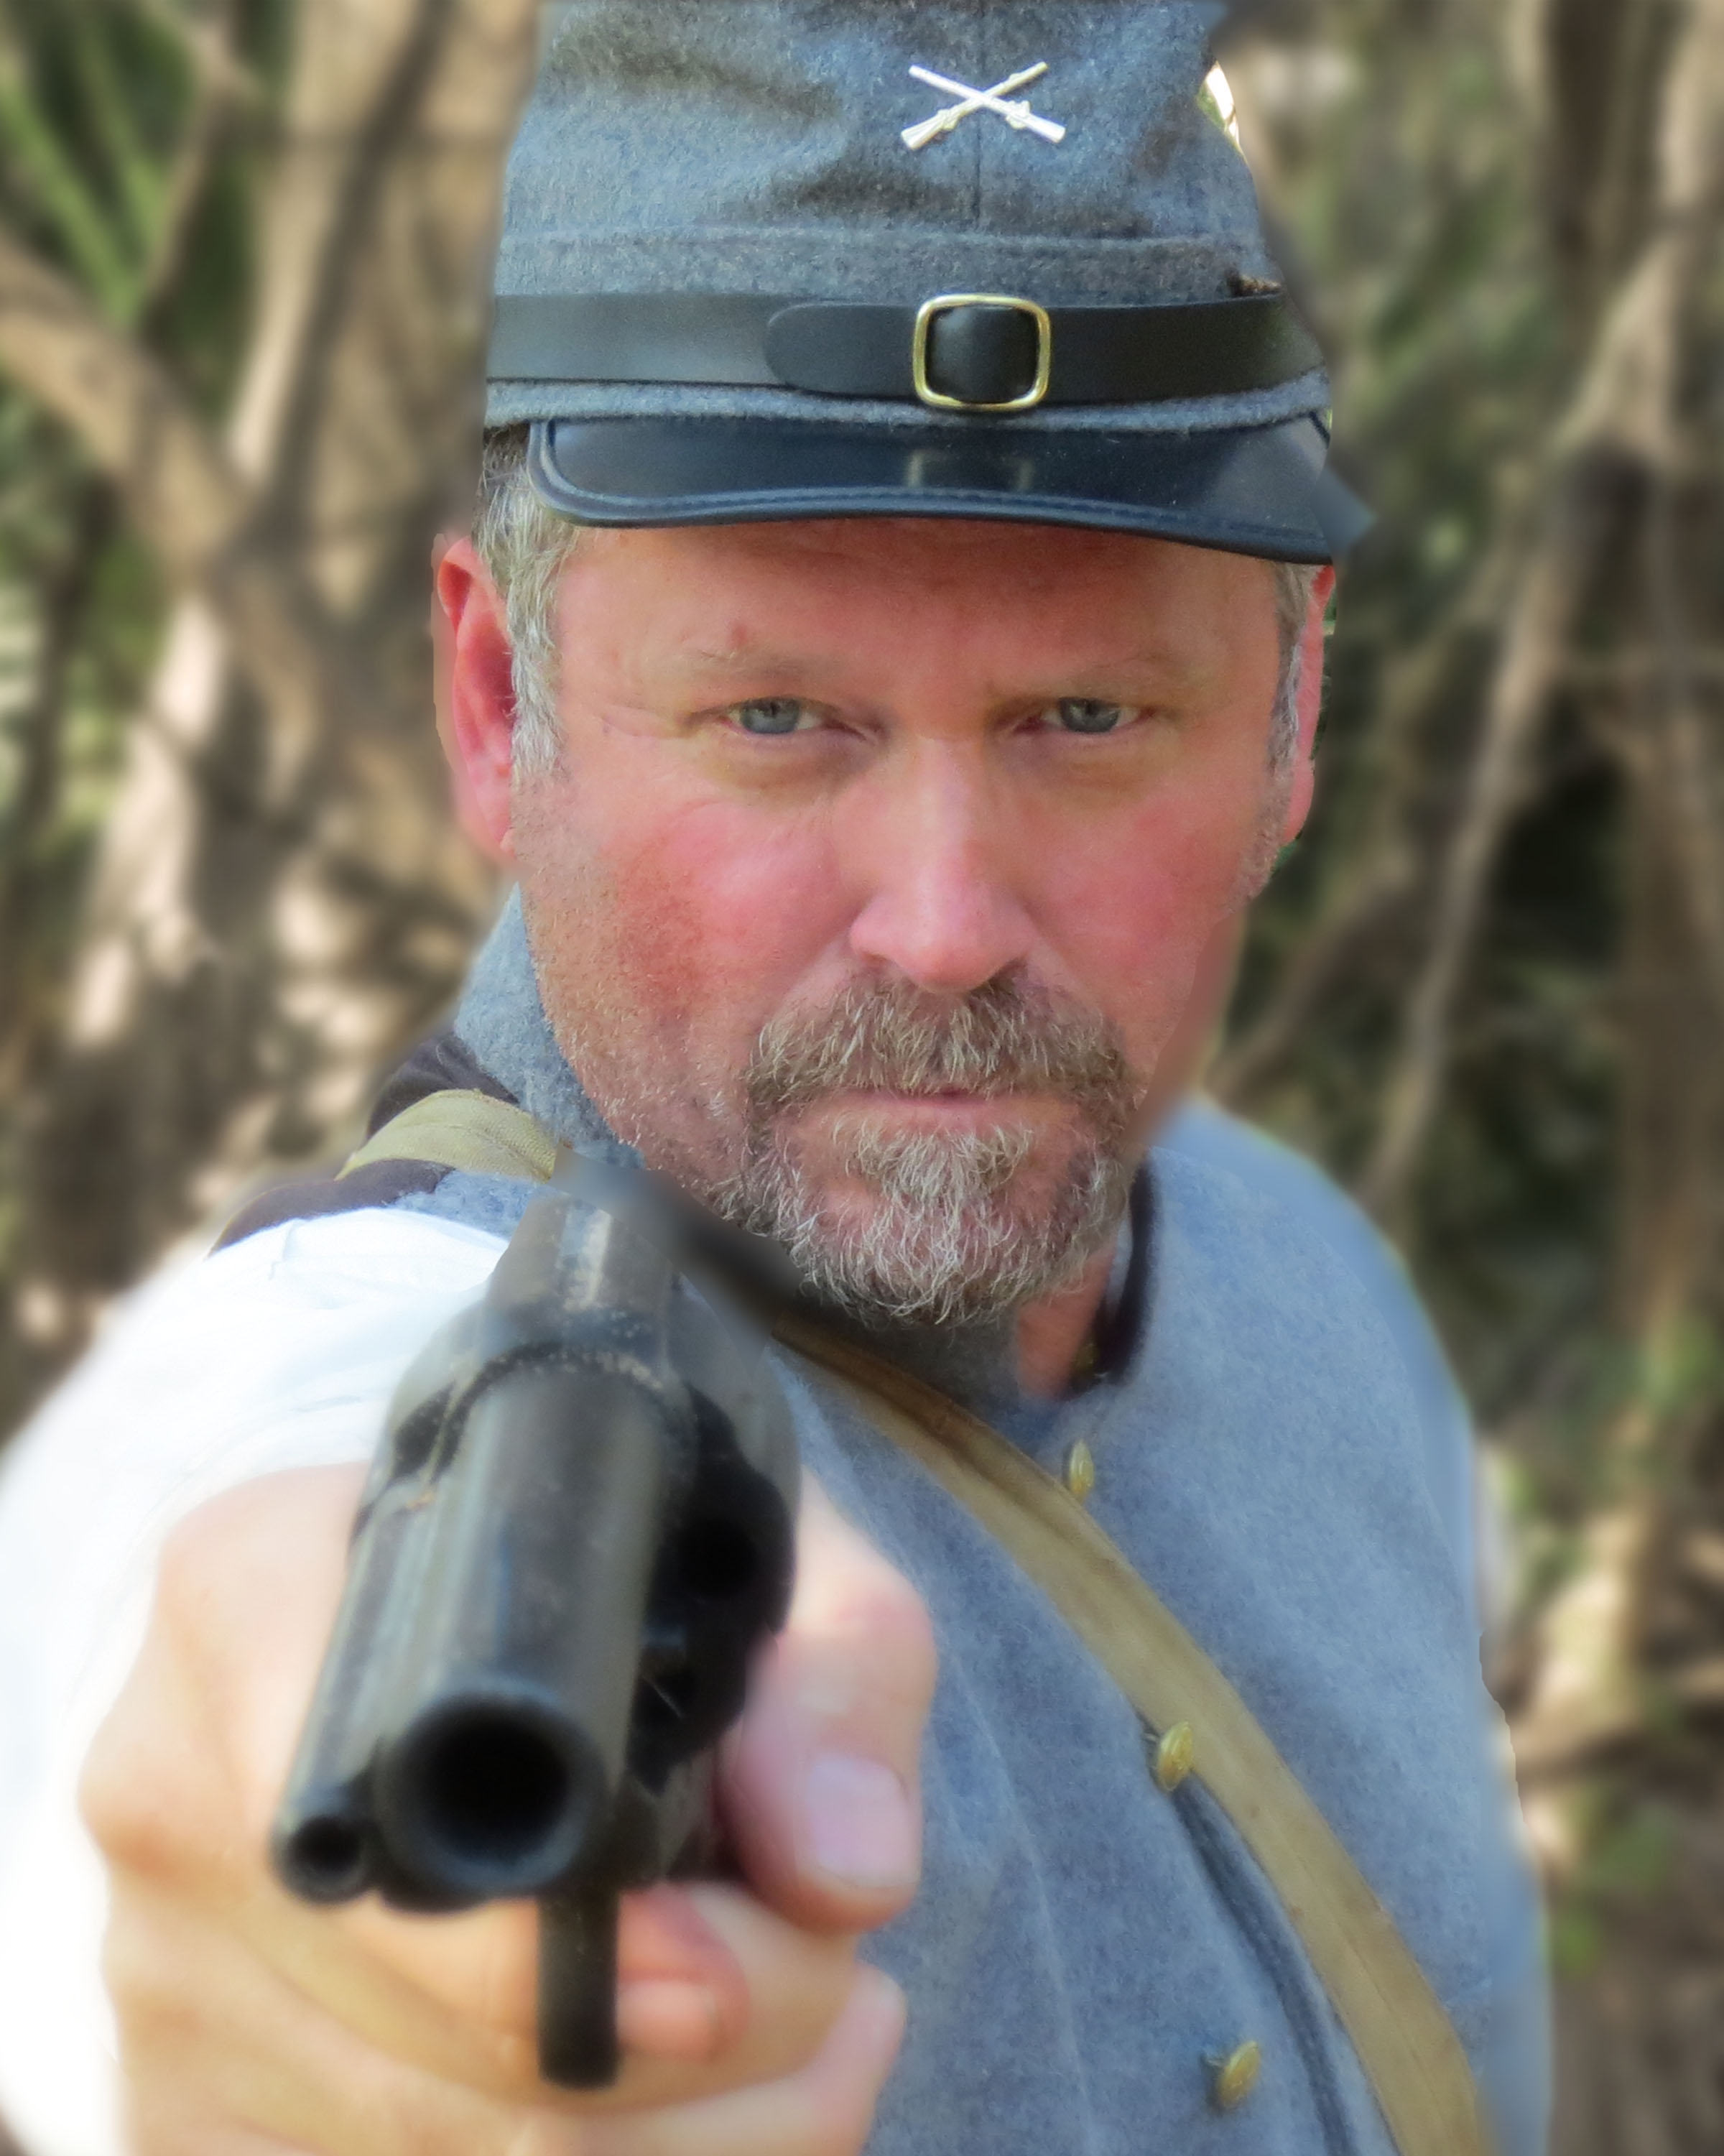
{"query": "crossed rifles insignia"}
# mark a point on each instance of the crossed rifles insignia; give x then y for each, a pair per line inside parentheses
(1013, 111)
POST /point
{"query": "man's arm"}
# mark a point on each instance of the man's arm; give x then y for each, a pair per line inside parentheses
(248, 2022)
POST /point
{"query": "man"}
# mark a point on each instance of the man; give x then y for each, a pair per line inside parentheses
(886, 696)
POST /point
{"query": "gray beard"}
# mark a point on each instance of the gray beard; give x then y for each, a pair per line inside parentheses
(962, 1226)
(942, 1244)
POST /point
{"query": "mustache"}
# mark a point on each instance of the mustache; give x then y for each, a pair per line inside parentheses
(1009, 1035)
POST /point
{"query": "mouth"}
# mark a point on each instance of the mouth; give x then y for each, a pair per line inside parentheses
(946, 1108)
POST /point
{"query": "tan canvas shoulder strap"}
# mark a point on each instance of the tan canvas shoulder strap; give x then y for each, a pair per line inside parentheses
(469, 1131)
(1404, 2039)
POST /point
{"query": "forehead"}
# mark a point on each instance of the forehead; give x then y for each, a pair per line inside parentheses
(999, 581)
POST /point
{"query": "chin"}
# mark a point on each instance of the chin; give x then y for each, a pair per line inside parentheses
(909, 1224)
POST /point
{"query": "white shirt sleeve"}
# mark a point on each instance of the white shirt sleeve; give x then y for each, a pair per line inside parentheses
(279, 1352)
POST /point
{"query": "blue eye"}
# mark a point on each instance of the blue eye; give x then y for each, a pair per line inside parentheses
(1083, 715)
(769, 715)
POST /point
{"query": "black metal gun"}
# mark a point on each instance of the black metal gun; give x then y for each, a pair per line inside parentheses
(578, 1528)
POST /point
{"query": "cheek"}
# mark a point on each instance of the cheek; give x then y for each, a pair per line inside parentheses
(1134, 897)
(707, 914)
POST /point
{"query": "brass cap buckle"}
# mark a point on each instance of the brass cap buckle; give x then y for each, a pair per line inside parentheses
(929, 313)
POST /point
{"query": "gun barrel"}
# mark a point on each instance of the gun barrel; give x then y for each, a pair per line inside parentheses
(324, 1843)
(504, 1766)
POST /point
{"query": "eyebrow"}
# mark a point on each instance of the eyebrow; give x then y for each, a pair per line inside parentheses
(739, 660)
(1157, 659)
(748, 659)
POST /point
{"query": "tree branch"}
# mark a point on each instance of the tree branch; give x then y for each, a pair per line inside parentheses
(187, 501)
(1537, 646)
(209, 48)
(64, 597)
(1622, 416)
(213, 107)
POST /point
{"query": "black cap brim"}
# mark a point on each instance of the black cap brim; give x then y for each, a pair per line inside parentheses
(1261, 490)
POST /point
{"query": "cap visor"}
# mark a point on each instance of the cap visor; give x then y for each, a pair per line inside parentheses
(1247, 490)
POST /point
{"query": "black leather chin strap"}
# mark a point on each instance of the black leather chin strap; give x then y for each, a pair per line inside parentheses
(977, 353)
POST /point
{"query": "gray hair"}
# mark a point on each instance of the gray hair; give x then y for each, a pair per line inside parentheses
(527, 546)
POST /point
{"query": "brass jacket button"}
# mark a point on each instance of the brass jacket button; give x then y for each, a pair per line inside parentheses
(1175, 1756)
(1079, 1472)
(1235, 2075)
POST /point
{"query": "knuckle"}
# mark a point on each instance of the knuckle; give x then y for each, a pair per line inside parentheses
(106, 1792)
(884, 1636)
(128, 1793)
(884, 1602)
(851, 1596)
(156, 1791)
(117, 1799)
(908, 1632)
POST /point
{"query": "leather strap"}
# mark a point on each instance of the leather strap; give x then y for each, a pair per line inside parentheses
(1404, 2039)
(1099, 355)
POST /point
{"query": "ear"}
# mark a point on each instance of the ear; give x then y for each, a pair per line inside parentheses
(1311, 656)
(475, 694)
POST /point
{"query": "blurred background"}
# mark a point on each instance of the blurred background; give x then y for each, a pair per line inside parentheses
(243, 261)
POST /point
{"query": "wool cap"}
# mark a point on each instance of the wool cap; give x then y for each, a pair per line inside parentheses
(768, 258)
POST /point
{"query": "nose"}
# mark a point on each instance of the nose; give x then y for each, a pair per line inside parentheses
(930, 849)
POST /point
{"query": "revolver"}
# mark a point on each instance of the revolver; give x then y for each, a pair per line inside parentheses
(577, 1529)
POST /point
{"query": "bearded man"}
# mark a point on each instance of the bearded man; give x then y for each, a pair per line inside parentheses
(888, 651)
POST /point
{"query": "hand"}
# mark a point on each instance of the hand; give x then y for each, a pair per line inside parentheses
(254, 2026)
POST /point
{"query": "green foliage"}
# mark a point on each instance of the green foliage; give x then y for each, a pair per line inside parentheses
(133, 136)
(118, 165)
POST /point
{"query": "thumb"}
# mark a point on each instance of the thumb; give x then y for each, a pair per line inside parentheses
(819, 1788)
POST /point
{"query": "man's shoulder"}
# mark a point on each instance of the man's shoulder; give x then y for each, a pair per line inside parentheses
(1206, 1135)
(319, 1280)
(444, 1063)
(1302, 1238)
(1261, 1223)
(277, 1351)
(1261, 1173)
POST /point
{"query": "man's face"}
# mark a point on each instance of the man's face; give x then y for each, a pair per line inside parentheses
(876, 865)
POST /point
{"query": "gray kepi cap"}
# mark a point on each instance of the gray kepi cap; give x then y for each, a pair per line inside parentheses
(768, 258)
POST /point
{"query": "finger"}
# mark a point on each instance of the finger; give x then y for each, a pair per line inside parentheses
(819, 1788)
(222, 2055)
(826, 2109)
(683, 1993)
(274, 1555)
(442, 1990)
(224, 2059)
(184, 1779)
(247, 1595)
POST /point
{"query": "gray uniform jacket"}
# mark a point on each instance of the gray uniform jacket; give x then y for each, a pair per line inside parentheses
(1084, 1947)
